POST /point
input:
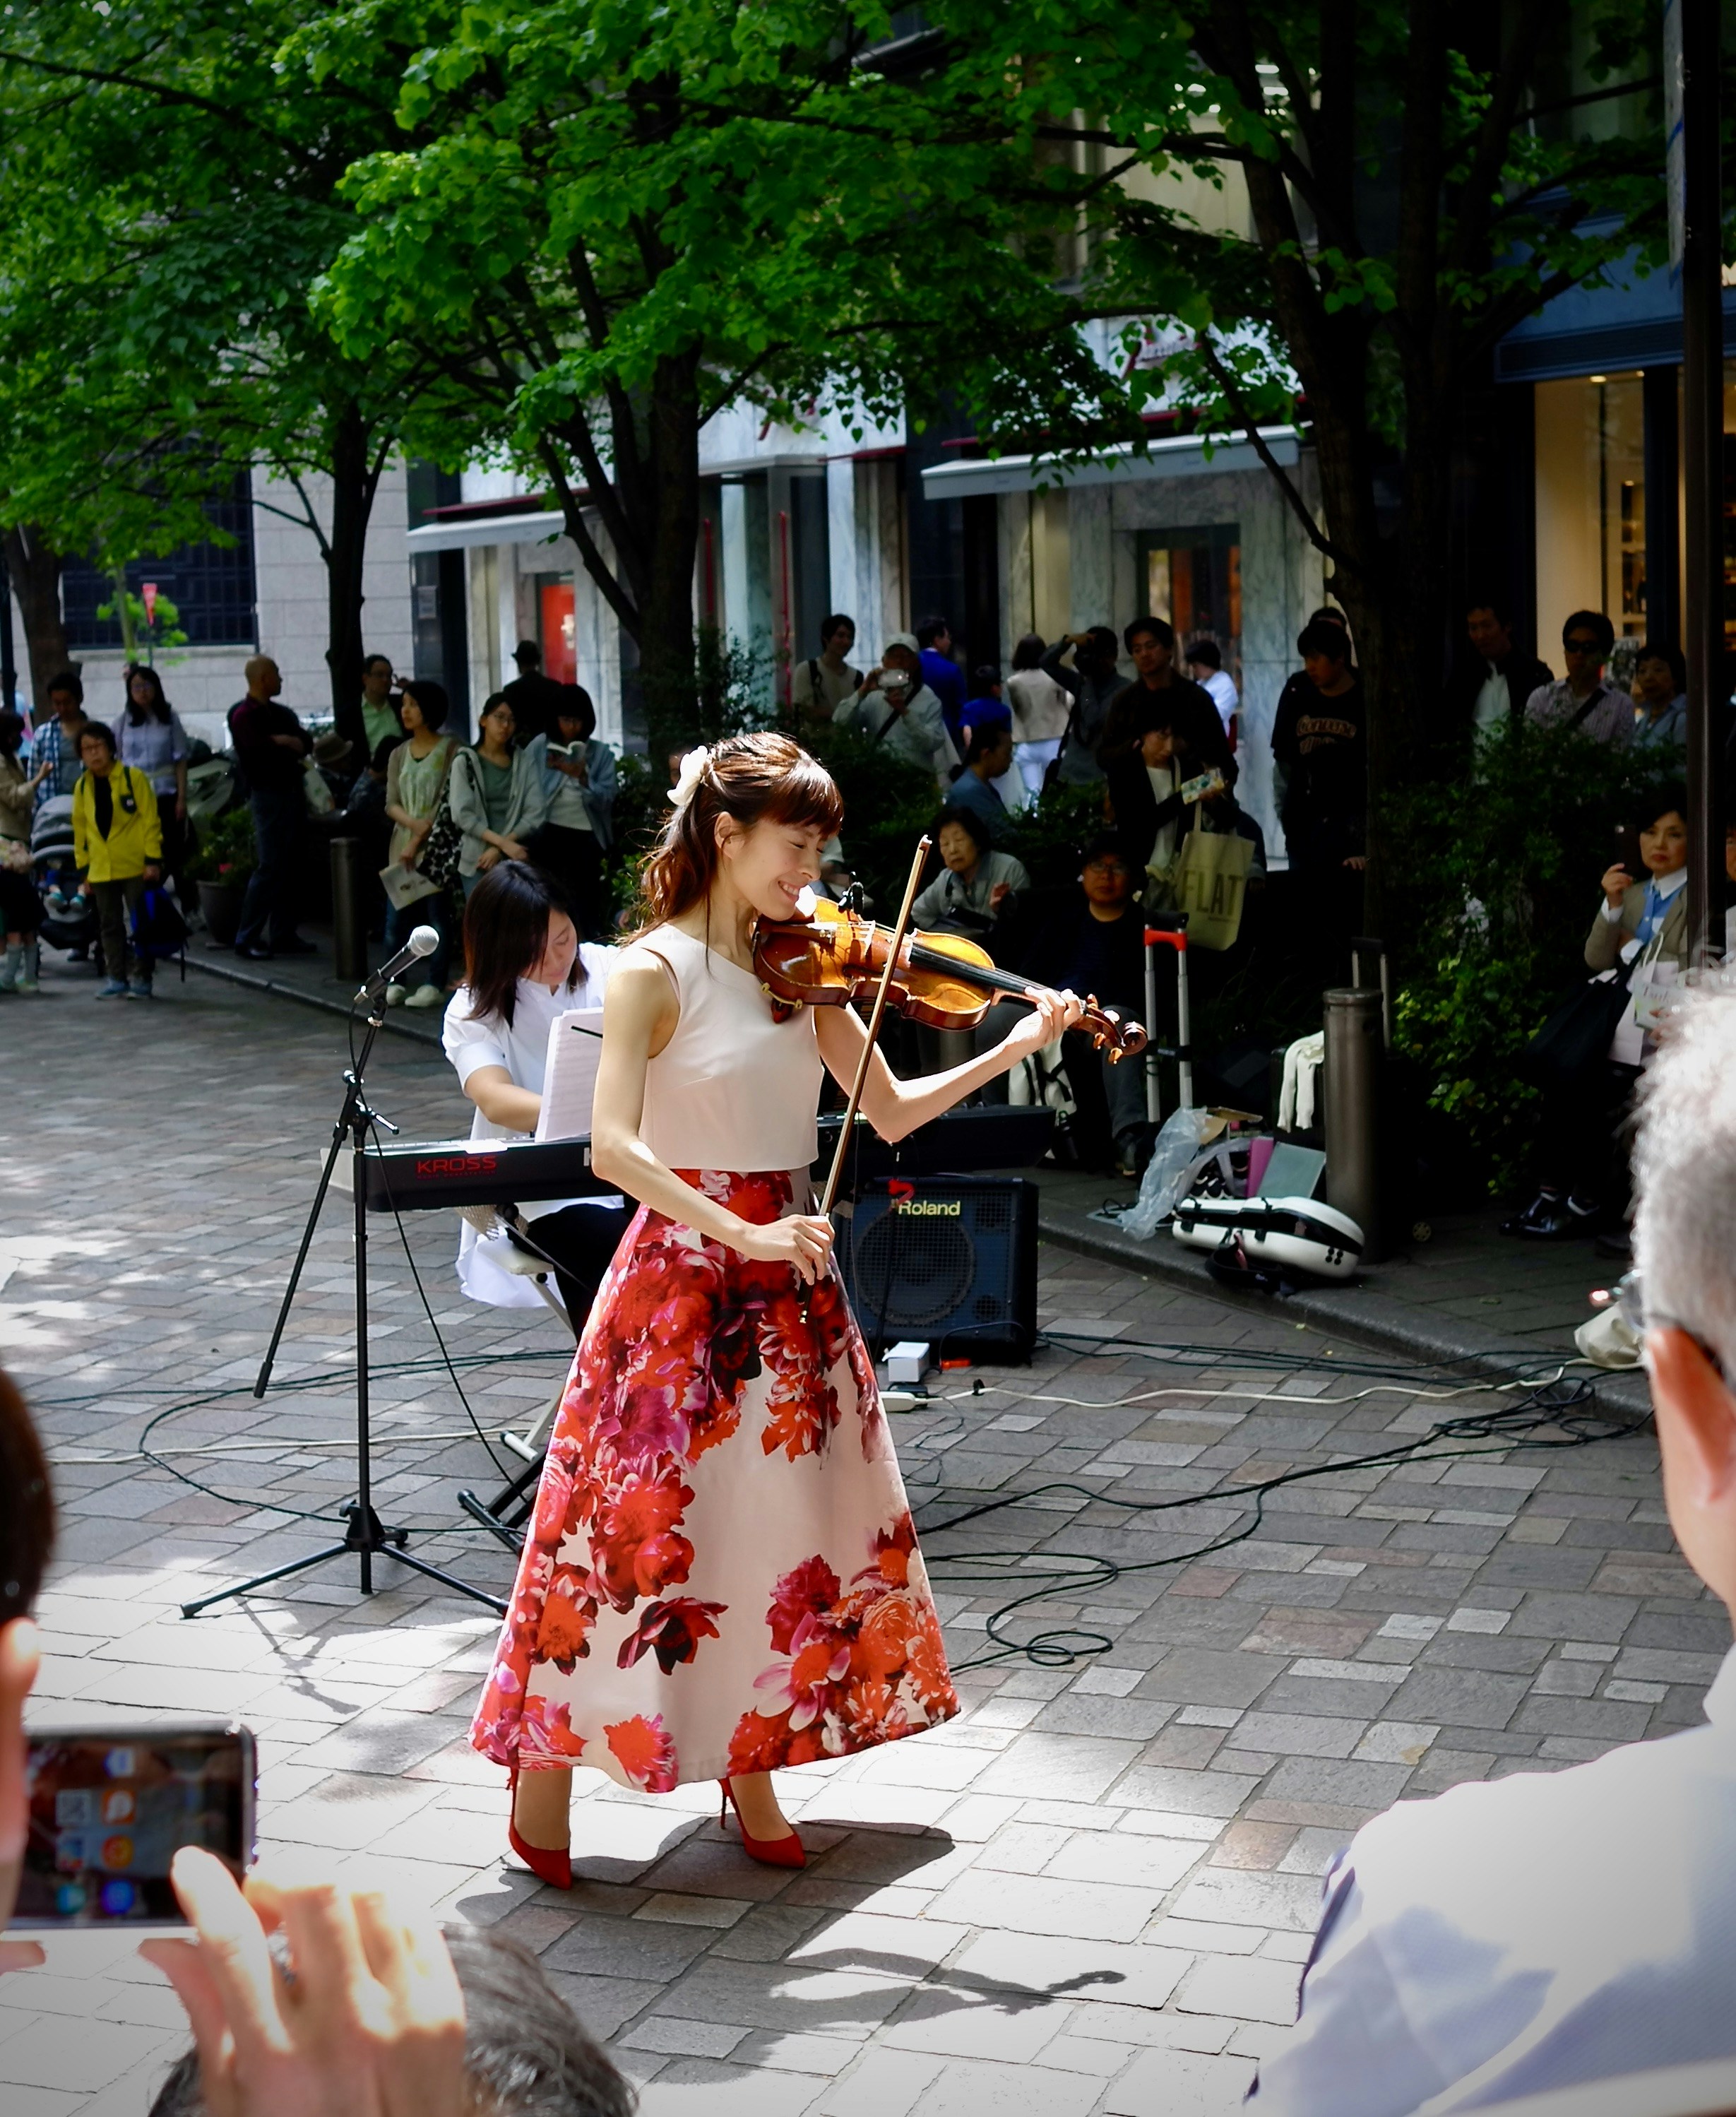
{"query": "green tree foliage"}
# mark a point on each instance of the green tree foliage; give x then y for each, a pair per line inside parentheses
(609, 224)
(167, 200)
(1500, 873)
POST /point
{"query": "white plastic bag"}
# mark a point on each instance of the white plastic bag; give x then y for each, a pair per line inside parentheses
(1167, 1174)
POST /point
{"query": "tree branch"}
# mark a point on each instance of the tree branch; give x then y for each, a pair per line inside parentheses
(598, 568)
(1298, 506)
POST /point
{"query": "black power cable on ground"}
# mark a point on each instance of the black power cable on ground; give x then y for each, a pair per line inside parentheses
(1539, 1420)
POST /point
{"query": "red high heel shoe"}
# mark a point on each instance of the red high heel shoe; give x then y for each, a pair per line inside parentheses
(770, 1851)
(551, 1864)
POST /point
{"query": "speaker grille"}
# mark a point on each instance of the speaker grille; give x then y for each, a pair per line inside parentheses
(913, 1273)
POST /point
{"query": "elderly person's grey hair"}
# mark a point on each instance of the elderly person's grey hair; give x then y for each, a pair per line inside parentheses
(1684, 1236)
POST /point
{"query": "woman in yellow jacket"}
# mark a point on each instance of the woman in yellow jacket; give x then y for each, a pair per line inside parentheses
(117, 845)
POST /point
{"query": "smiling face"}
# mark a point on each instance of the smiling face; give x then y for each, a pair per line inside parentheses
(1663, 844)
(771, 864)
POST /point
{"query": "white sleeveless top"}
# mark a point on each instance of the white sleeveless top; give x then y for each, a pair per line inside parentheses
(733, 1089)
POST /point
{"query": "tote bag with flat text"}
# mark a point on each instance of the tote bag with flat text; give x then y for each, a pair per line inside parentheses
(1210, 882)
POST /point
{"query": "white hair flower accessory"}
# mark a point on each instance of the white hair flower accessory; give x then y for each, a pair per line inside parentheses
(693, 769)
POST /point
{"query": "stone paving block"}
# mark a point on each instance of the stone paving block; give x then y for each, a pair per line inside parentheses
(628, 1948)
(1032, 1903)
(1457, 1697)
(1108, 1973)
(1224, 1896)
(1149, 1863)
(1297, 1734)
(692, 2086)
(1058, 1767)
(966, 2087)
(1184, 1792)
(885, 2083)
(943, 2020)
(43, 2055)
(655, 2032)
(889, 1946)
(1247, 1988)
(1180, 2084)
(1606, 1720)
(1131, 1719)
(1324, 1780)
(835, 2003)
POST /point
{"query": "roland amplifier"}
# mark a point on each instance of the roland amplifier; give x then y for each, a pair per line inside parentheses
(952, 1259)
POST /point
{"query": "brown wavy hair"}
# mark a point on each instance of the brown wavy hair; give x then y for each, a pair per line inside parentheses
(756, 778)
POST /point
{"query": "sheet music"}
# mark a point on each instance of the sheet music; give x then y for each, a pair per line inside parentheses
(569, 1076)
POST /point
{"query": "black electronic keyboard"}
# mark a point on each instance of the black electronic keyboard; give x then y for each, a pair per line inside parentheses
(412, 1178)
(406, 1178)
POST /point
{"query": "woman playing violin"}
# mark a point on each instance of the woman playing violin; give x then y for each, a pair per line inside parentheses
(721, 1578)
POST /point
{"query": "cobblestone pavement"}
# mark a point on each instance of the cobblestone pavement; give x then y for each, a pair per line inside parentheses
(1091, 1893)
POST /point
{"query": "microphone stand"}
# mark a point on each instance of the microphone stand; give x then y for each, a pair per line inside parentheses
(366, 1536)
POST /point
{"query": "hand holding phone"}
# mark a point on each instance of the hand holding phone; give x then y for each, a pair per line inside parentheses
(107, 1810)
(19, 1655)
(372, 2018)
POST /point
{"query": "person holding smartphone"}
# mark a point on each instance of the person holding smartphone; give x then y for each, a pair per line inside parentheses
(1642, 927)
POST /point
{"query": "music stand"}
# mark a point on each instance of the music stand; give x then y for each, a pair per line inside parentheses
(366, 1536)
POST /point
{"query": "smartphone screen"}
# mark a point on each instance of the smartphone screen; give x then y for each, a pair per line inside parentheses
(110, 1808)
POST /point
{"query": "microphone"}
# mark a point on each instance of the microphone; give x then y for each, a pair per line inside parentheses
(423, 942)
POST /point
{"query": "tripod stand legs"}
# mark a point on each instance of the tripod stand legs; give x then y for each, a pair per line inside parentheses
(367, 1536)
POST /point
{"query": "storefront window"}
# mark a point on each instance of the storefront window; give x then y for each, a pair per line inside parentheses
(557, 627)
(1591, 503)
(1193, 578)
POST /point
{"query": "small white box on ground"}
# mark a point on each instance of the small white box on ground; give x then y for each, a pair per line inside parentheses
(908, 1361)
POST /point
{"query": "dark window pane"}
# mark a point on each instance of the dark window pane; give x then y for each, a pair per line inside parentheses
(211, 585)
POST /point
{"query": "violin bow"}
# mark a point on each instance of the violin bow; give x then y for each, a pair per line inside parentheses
(874, 1018)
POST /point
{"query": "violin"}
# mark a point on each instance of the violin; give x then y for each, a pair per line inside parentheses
(834, 957)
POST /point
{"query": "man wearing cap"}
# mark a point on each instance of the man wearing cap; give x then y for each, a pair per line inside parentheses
(535, 698)
(895, 707)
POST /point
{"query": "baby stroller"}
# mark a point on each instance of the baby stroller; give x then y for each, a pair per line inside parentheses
(68, 921)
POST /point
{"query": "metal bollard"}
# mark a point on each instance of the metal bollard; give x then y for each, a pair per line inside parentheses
(349, 912)
(1350, 1084)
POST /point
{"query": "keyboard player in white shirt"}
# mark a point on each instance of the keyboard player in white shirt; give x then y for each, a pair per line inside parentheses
(525, 967)
(1558, 1928)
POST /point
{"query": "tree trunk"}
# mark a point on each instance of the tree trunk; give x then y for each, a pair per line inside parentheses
(666, 632)
(35, 569)
(354, 478)
(652, 526)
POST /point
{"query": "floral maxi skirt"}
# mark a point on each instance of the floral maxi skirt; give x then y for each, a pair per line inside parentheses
(721, 1575)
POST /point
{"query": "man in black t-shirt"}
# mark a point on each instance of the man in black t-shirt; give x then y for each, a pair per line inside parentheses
(1319, 740)
(1090, 939)
(1151, 643)
(535, 698)
(270, 748)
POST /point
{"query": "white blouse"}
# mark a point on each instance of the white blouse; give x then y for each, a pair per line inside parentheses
(472, 1041)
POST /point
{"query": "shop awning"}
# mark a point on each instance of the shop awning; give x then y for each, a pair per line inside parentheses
(1178, 455)
(468, 532)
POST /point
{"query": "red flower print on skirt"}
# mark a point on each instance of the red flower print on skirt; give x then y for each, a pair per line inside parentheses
(711, 1583)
